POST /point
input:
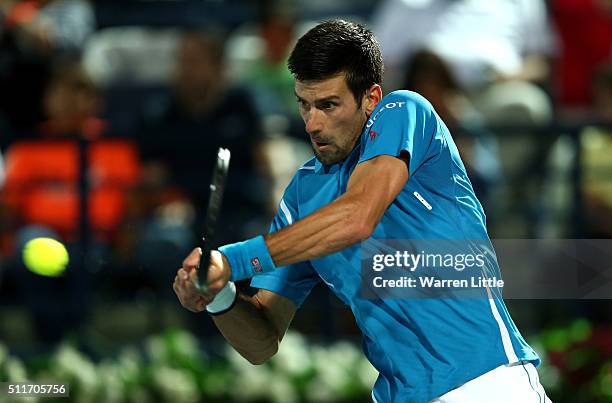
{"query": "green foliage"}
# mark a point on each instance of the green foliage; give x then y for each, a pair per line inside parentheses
(577, 363)
(171, 367)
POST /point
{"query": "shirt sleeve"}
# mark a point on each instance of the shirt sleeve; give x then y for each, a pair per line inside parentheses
(294, 281)
(403, 123)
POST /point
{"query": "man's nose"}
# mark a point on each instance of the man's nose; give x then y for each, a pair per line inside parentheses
(314, 121)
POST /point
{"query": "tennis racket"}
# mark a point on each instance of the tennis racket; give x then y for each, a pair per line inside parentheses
(215, 199)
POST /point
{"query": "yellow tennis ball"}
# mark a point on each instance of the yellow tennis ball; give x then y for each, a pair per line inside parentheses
(45, 256)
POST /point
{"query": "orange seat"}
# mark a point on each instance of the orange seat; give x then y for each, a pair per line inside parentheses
(42, 175)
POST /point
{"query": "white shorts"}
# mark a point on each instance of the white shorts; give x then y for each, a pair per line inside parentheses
(511, 383)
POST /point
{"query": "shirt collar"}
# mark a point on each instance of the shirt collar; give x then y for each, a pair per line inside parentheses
(323, 169)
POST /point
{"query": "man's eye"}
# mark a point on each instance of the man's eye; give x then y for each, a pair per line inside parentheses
(327, 105)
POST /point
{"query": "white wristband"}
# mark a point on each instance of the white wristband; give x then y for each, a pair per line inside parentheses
(224, 300)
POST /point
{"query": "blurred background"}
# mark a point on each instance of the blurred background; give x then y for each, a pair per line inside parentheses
(110, 117)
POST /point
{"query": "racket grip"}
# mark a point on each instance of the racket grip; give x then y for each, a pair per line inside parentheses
(202, 273)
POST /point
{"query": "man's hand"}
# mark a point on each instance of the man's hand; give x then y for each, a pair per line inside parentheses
(218, 275)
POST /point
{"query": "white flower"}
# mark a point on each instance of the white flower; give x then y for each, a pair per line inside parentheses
(236, 361)
(156, 350)
(186, 344)
(293, 356)
(71, 364)
(252, 382)
(344, 354)
(175, 385)
(129, 364)
(282, 390)
(366, 374)
(550, 376)
(15, 370)
(111, 385)
(331, 366)
(332, 377)
(320, 391)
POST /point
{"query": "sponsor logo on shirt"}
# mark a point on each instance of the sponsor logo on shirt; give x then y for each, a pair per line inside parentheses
(373, 135)
(389, 105)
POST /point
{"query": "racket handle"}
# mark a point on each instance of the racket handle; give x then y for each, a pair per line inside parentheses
(202, 273)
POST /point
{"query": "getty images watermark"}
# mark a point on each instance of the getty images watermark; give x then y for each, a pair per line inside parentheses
(532, 269)
(429, 262)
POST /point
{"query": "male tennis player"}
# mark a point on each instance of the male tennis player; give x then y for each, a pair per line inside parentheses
(373, 156)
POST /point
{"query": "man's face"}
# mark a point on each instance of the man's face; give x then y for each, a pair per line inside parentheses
(71, 98)
(197, 69)
(332, 117)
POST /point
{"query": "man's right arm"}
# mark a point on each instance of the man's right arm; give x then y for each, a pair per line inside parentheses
(254, 326)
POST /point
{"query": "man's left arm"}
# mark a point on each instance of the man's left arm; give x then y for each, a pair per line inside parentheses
(349, 219)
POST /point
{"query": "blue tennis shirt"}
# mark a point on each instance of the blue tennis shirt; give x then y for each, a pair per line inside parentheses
(422, 348)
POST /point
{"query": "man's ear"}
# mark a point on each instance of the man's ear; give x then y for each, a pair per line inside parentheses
(372, 97)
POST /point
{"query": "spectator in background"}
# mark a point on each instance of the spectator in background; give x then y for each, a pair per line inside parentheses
(41, 197)
(582, 93)
(43, 167)
(428, 75)
(71, 103)
(179, 139)
(269, 77)
(61, 26)
(485, 43)
(499, 53)
(32, 35)
(596, 162)
(585, 39)
(272, 86)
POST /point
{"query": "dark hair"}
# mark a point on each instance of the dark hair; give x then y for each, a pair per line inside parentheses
(338, 46)
(70, 71)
